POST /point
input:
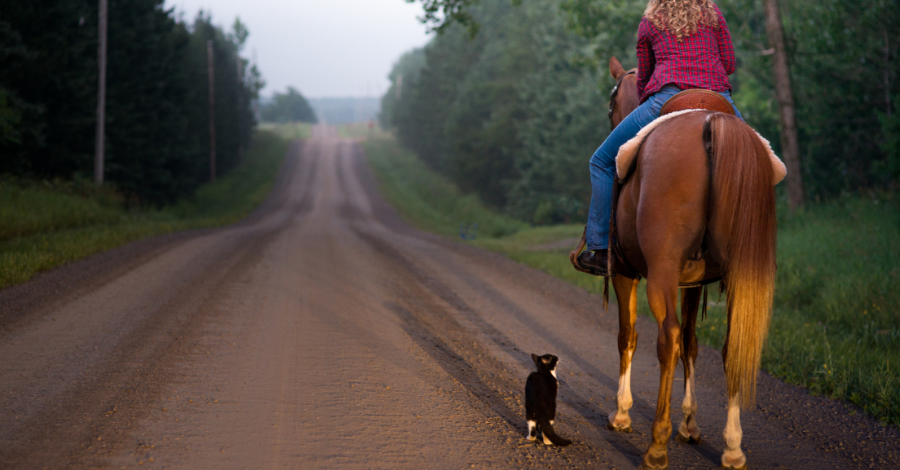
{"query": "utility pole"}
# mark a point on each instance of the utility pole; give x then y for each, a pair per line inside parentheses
(790, 147)
(257, 116)
(240, 94)
(101, 94)
(212, 112)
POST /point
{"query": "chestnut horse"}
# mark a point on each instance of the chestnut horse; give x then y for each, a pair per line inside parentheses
(699, 204)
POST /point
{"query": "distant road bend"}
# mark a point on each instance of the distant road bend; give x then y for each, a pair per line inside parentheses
(323, 332)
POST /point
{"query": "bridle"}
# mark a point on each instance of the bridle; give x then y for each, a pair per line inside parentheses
(613, 94)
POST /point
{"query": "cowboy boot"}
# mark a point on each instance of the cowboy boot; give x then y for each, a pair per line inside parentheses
(593, 262)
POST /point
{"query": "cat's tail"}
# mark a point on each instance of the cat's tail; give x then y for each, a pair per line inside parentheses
(549, 434)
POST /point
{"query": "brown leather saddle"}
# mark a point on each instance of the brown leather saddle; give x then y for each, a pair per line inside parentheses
(697, 98)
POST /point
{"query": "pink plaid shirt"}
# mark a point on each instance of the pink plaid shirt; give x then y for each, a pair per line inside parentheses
(702, 60)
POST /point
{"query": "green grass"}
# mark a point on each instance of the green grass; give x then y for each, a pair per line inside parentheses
(835, 329)
(836, 321)
(28, 208)
(289, 131)
(362, 131)
(46, 224)
(427, 199)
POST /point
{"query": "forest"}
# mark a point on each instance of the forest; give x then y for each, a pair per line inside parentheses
(157, 96)
(510, 100)
(289, 106)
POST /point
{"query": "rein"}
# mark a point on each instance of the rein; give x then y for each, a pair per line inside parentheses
(613, 94)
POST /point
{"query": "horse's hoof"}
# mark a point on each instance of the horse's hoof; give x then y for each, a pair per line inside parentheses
(688, 439)
(646, 467)
(618, 429)
(732, 467)
(734, 460)
(658, 462)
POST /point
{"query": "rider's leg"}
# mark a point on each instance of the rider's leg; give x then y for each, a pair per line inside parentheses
(727, 95)
(603, 166)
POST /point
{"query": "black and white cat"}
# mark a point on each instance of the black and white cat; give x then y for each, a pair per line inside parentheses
(540, 400)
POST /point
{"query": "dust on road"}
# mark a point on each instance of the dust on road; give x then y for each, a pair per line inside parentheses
(323, 332)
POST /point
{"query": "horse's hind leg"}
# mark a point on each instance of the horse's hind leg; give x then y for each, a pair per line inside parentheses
(733, 458)
(662, 293)
(626, 295)
(688, 431)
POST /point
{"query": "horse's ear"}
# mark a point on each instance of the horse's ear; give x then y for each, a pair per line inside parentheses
(615, 68)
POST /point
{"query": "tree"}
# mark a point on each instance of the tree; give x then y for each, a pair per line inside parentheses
(157, 123)
(441, 14)
(835, 68)
(508, 115)
(288, 107)
(21, 122)
(403, 76)
(789, 141)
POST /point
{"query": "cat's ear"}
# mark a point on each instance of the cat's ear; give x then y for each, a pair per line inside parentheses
(547, 359)
(535, 358)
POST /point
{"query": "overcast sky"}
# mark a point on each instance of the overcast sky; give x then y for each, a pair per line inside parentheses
(324, 48)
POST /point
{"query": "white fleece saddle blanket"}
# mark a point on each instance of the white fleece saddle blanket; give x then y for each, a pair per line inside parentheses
(629, 150)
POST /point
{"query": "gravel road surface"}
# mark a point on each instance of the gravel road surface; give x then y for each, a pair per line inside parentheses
(324, 332)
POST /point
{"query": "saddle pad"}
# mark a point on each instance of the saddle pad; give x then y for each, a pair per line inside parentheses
(696, 98)
(629, 150)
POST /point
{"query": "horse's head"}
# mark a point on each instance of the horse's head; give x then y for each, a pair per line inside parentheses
(624, 96)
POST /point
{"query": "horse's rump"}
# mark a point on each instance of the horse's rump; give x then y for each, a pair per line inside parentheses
(627, 155)
(669, 181)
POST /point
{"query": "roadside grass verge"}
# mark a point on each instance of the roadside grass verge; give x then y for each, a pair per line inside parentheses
(287, 130)
(34, 207)
(46, 224)
(427, 199)
(361, 130)
(836, 322)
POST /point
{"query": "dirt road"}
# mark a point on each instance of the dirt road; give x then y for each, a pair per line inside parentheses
(323, 332)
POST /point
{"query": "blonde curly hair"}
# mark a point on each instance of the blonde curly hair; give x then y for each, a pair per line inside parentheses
(681, 17)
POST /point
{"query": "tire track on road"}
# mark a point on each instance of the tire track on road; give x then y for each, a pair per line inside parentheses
(78, 419)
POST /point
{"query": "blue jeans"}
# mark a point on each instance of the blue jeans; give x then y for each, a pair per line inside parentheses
(603, 164)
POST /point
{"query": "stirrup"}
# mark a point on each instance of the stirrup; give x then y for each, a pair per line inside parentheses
(573, 256)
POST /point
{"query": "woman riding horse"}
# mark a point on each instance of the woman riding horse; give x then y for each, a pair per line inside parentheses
(696, 205)
(682, 44)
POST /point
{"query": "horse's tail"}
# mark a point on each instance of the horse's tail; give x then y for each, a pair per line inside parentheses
(742, 225)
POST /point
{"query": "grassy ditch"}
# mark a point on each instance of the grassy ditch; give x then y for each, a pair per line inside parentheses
(426, 198)
(837, 303)
(46, 224)
(289, 130)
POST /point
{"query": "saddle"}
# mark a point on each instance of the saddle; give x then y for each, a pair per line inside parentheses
(697, 98)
